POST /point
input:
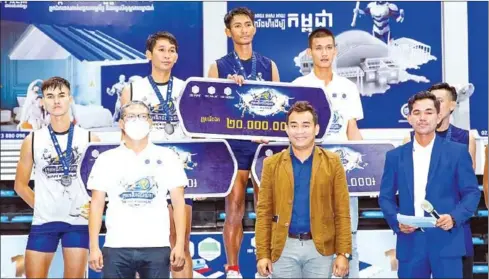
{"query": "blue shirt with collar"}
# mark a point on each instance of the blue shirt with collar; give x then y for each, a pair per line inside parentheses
(301, 219)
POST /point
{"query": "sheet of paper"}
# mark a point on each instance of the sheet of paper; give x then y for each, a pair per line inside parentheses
(418, 222)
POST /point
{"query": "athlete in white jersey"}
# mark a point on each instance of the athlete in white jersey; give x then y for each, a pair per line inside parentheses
(155, 90)
(346, 109)
(56, 202)
(142, 90)
(60, 201)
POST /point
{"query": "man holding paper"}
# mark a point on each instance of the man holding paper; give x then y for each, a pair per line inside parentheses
(440, 172)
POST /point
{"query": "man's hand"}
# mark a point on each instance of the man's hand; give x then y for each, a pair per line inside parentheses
(445, 222)
(406, 228)
(264, 267)
(96, 260)
(177, 256)
(239, 79)
(265, 141)
(85, 210)
(340, 266)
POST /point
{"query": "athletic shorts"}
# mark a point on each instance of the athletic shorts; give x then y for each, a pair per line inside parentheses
(45, 238)
(187, 202)
(244, 151)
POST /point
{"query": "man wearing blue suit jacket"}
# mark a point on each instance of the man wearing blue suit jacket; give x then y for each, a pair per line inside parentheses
(439, 171)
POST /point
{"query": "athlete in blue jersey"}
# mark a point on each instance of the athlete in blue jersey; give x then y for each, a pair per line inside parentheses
(447, 95)
(239, 65)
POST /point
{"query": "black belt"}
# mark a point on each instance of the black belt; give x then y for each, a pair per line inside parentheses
(301, 236)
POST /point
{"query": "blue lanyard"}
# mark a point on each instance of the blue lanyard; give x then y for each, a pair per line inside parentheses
(64, 159)
(241, 68)
(165, 105)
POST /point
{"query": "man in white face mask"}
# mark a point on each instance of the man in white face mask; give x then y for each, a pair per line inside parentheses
(138, 227)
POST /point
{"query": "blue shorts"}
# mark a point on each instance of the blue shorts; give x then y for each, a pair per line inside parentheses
(45, 238)
(244, 151)
(189, 202)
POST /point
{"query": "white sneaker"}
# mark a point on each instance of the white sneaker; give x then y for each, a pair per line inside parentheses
(233, 274)
(258, 276)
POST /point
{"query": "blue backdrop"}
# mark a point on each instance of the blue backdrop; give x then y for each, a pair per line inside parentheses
(128, 27)
(278, 38)
(478, 61)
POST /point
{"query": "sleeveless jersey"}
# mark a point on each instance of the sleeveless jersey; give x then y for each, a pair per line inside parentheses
(227, 65)
(141, 90)
(53, 201)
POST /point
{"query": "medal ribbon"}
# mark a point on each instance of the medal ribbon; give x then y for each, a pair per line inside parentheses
(65, 160)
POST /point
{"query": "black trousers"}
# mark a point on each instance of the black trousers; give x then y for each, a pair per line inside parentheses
(468, 265)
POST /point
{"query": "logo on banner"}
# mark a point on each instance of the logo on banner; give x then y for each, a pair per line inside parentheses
(106, 6)
(263, 102)
(185, 157)
(209, 249)
(252, 250)
(139, 193)
(404, 113)
(350, 158)
(305, 21)
(195, 89)
(16, 4)
(373, 59)
(191, 248)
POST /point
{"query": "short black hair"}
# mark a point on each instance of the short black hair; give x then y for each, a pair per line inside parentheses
(320, 33)
(153, 38)
(303, 106)
(55, 82)
(421, 96)
(238, 11)
(445, 86)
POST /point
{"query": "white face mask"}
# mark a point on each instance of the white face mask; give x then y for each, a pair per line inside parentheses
(137, 129)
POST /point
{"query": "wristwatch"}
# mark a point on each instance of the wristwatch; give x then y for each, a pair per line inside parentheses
(346, 255)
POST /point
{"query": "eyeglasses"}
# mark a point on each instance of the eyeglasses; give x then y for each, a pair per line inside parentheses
(132, 117)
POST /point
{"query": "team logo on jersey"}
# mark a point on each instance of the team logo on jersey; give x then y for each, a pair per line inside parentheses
(157, 109)
(185, 158)
(350, 158)
(140, 192)
(54, 168)
(161, 118)
(264, 102)
(336, 123)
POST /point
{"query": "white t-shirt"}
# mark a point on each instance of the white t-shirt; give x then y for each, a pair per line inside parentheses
(345, 101)
(137, 187)
(55, 202)
(141, 90)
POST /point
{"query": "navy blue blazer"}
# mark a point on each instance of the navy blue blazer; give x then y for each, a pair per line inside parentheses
(451, 188)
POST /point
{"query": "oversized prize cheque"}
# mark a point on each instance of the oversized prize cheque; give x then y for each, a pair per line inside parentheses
(363, 162)
(200, 158)
(220, 108)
